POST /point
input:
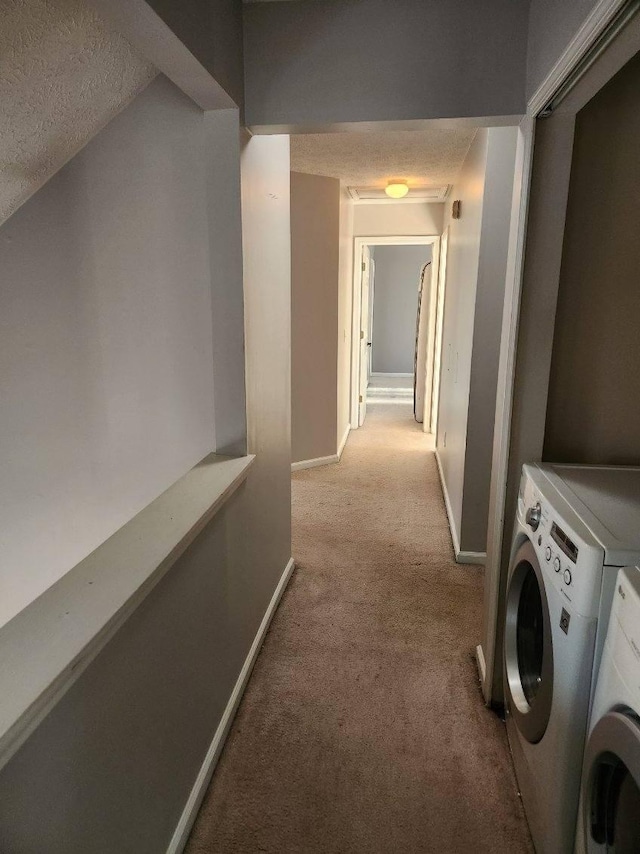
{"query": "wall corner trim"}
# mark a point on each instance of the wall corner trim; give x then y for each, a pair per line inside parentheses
(343, 441)
(447, 503)
(482, 667)
(317, 461)
(600, 16)
(188, 817)
(300, 465)
(476, 558)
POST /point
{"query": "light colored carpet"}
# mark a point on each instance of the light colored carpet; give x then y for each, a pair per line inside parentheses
(387, 381)
(363, 730)
(390, 389)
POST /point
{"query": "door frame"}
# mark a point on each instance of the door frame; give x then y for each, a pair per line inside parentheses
(432, 240)
(441, 277)
(528, 323)
(364, 338)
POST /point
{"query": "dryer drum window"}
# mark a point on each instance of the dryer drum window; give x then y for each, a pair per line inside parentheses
(615, 807)
(611, 785)
(530, 635)
(528, 650)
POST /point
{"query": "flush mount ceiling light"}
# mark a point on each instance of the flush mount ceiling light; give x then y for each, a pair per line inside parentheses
(396, 189)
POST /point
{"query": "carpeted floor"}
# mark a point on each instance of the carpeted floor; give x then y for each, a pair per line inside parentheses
(362, 730)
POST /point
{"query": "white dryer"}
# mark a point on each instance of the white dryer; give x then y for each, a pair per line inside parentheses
(575, 526)
(610, 802)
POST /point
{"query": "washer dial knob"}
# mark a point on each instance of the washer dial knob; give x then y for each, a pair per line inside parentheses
(567, 576)
(532, 516)
(556, 564)
(547, 553)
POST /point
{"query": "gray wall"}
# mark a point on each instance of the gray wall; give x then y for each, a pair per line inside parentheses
(552, 25)
(395, 302)
(487, 329)
(374, 60)
(262, 535)
(476, 270)
(212, 30)
(222, 132)
(111, 768)
(106, 340)
(315, 227)
(457, 331)
(593, 413)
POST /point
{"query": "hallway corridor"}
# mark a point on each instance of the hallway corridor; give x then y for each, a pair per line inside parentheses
(363, 729)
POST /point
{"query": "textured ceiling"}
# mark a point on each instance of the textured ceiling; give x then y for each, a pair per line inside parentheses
(63, 75)
(430, 157)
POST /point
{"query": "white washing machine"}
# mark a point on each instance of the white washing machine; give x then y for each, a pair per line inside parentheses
(609, 819)
(575, 526)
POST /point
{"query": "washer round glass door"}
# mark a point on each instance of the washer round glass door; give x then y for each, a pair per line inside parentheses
(611, 786)
(527, 647)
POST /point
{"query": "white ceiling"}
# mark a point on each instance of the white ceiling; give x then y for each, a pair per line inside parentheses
(431, 157)
(63, 75)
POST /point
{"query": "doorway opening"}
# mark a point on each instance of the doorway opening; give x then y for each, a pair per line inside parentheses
(398, 300)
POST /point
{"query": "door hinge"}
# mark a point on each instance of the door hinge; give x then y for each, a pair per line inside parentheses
(360, 399)
(364, 266)
(361, 334)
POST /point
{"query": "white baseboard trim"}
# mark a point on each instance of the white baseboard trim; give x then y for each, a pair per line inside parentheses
(384, 374)
(318, 461)
(482, 665)
(343, 441)
(182, 831)
(460, 556)
(323, 461)
(478, 558)
(447, 504)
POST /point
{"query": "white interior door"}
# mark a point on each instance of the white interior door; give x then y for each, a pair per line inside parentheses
(365, 340)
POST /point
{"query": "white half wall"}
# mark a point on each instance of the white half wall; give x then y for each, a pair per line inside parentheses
(105, 340)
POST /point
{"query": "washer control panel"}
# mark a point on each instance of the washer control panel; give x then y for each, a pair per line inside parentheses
(559, 565)
(568, 555)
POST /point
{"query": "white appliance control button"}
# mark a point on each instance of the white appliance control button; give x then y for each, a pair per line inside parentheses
(556, 564)
(567, 576)
(547, 552)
